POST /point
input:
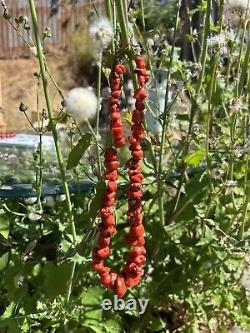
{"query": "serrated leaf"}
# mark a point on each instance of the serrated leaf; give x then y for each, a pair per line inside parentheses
(77, 152)
(194, 159)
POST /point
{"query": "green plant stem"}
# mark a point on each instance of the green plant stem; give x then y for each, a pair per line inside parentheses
(210, 117)
(125, 38)
(70, 283)
(41, 59)
(109, 12)
(244, 213)
(99, 81)
(143, 15)
(194, 104)
(164, 125)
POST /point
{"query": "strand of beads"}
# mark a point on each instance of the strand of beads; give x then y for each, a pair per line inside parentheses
(135, 238)
(115, 112)
(132, 272)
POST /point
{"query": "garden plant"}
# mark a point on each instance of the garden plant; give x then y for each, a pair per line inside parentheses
(165, 158)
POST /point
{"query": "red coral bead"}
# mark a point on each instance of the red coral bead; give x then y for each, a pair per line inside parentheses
(116, 93)
(137, 251)
(120, 288)
(120, 69)
(141, 94)
(138, 154)
(135, 194)
(103, 253)
(117, 132)
(116, 123)
(134, 205)
(116, 85)
(113, 101)
(140, 62)
(108, 202)
(111, 186)
(139, 261)
(107, 231)
(114, 108)
(120, 143)
(111, 165)
(100, 268)
(132, 282)
(136, 178)
(106, 211)
(110, 154)
(106, 280)
(115, 116)
(132, 213)
(137, 231)
(135, 186)
(103, 241)
(139, 105)
(110, 220)
(136, 219)
(111, 175)
(140, 241)
(137, 116)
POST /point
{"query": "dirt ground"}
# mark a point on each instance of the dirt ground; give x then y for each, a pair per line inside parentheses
(19, 84)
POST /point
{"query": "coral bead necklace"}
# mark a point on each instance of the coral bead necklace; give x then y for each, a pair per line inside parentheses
(132, 272)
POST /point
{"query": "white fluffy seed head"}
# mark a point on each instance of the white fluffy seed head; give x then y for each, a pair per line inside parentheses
(81, 104)
(236, 11)
(237, 4)
(101, 31)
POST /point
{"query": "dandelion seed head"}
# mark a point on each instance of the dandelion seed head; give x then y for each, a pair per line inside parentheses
(81, 104)
(101, 31)
(236, 10)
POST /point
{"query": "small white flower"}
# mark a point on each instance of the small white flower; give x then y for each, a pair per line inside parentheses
(102, 32)
(217, 173)
(231, 183)
(81, 104)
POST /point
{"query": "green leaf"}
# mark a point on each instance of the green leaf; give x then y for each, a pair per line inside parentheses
(97, 200)
(4, 224)
(56, 279)
(4, 260)
(216, 300)
(91, 299)
(8, 311)
(194, 159)
(77, 152)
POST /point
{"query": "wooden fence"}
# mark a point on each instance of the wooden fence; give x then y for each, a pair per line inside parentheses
(61, 24)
